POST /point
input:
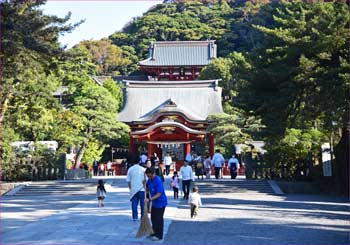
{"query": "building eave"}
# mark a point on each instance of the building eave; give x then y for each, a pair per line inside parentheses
(169, 124)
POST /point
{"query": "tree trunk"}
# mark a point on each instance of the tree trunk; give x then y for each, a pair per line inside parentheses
(83, 149)
(342, 162)
(3, 108)
(1, 138)
(80, 155)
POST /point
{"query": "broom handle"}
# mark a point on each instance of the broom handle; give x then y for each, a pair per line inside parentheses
(144, 185)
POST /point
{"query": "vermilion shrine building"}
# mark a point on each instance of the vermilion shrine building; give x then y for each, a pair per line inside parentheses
(169, 112)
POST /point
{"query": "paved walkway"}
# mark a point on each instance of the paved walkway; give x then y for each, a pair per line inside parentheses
(224, 219)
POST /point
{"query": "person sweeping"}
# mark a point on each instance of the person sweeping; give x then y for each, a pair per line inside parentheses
(158, 201)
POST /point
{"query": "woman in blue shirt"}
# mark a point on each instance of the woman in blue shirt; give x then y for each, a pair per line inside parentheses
(159, 202)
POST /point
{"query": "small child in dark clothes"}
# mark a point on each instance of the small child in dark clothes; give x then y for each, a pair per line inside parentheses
(101, 193)
(175, 185)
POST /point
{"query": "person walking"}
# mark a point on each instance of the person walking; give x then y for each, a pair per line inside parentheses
(95, 167)
(167, 162)
(195, 201)
(207, 166)
(102, 169)
(187, 177)
(136, 180)
(174, 183)
(109, 168)
(189, 158)
(218, 162)
(233, 165)
(198, 166)
(154, 159)
(101, 193)
(159, 171)
(159, 202)
(143, 159)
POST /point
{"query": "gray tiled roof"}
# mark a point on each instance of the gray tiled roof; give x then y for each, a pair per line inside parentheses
(100, 79)
(196, 99)
(181, 53)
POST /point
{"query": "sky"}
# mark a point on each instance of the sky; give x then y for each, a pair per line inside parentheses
(102, 17)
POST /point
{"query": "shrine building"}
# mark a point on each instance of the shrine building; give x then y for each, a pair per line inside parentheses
(169, 111)
(178, 60)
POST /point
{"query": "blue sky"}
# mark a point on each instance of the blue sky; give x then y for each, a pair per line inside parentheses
(102, 18)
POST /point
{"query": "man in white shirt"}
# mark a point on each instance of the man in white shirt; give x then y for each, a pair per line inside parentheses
(218, 162)
(109, 168)
(167, 162)
(136, 180)
(187, 177)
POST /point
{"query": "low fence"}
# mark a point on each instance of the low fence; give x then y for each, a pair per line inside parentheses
(46, 174)
(36, 174)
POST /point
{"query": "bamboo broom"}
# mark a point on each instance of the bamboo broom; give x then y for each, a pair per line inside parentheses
(145, 224)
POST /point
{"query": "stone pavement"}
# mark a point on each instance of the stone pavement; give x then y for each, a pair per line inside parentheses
(223, 219)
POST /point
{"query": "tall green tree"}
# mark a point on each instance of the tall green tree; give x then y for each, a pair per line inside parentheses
(29, 55)
(235, 125)
(93, 107)
(301, 73)
(300, 76)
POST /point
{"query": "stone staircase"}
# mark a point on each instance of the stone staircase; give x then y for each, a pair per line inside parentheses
(58, 188)
(214, 186)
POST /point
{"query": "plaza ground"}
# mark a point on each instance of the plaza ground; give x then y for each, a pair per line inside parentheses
(225, 218)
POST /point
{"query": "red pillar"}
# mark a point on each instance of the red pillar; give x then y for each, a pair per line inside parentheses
(211, 144)
(149, 150)
(187, 149)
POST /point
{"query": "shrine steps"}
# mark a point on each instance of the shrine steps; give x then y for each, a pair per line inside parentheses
(214, 186)
(57, 188)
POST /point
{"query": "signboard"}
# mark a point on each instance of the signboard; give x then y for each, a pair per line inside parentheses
(326, 159)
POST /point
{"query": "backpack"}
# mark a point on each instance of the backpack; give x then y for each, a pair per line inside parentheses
(234, 166)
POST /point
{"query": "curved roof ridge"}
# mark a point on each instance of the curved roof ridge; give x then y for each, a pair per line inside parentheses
(168, 123)
(167, 106)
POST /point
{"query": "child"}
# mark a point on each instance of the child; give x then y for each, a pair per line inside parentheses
(175, 185)
(101, 193)
(195, 201)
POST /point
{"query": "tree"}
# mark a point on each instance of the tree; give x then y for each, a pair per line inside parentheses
(97, 110)
(93, 108)
(300, 75)
(235, 125)
(109, 58)
(172, 21)
(29, 54)
(302, 71)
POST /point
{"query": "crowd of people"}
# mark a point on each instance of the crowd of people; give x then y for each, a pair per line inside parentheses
(145, 177)
(202, 166)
